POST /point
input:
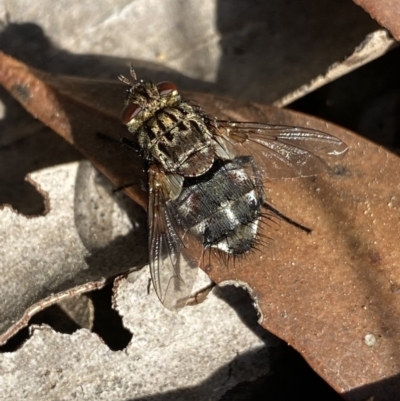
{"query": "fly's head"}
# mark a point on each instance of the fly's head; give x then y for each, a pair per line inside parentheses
(144, 99)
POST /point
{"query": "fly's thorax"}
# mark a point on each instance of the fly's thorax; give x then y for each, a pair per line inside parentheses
(223, 207)
(179, 138)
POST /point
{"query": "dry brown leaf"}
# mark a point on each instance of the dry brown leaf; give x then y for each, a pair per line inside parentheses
(332, 294)
(386, 12)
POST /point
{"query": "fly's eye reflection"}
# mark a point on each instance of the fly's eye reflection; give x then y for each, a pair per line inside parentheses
(206, 180)
(130, 112)
(165, 88)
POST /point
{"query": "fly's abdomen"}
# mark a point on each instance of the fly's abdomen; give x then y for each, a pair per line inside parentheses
(224, 209)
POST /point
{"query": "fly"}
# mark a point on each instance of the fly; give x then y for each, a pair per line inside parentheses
(205, 178)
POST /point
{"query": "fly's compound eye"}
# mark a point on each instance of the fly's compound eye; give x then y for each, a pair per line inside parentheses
(166, 88)
(130, 112)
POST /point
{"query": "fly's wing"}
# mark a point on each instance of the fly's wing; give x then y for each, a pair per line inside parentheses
(173, 266)
(281, 151)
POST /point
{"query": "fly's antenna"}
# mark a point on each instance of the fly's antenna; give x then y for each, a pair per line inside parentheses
(132, 72)
(126, 80)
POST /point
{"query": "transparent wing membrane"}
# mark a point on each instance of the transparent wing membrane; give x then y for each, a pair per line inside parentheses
(173, 265)
(282, 151)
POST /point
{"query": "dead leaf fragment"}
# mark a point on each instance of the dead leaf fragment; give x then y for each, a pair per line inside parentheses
(386, 12)
(322, 292)
(198, 354)
(45, 259)
(80, 112)
(375, 45)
